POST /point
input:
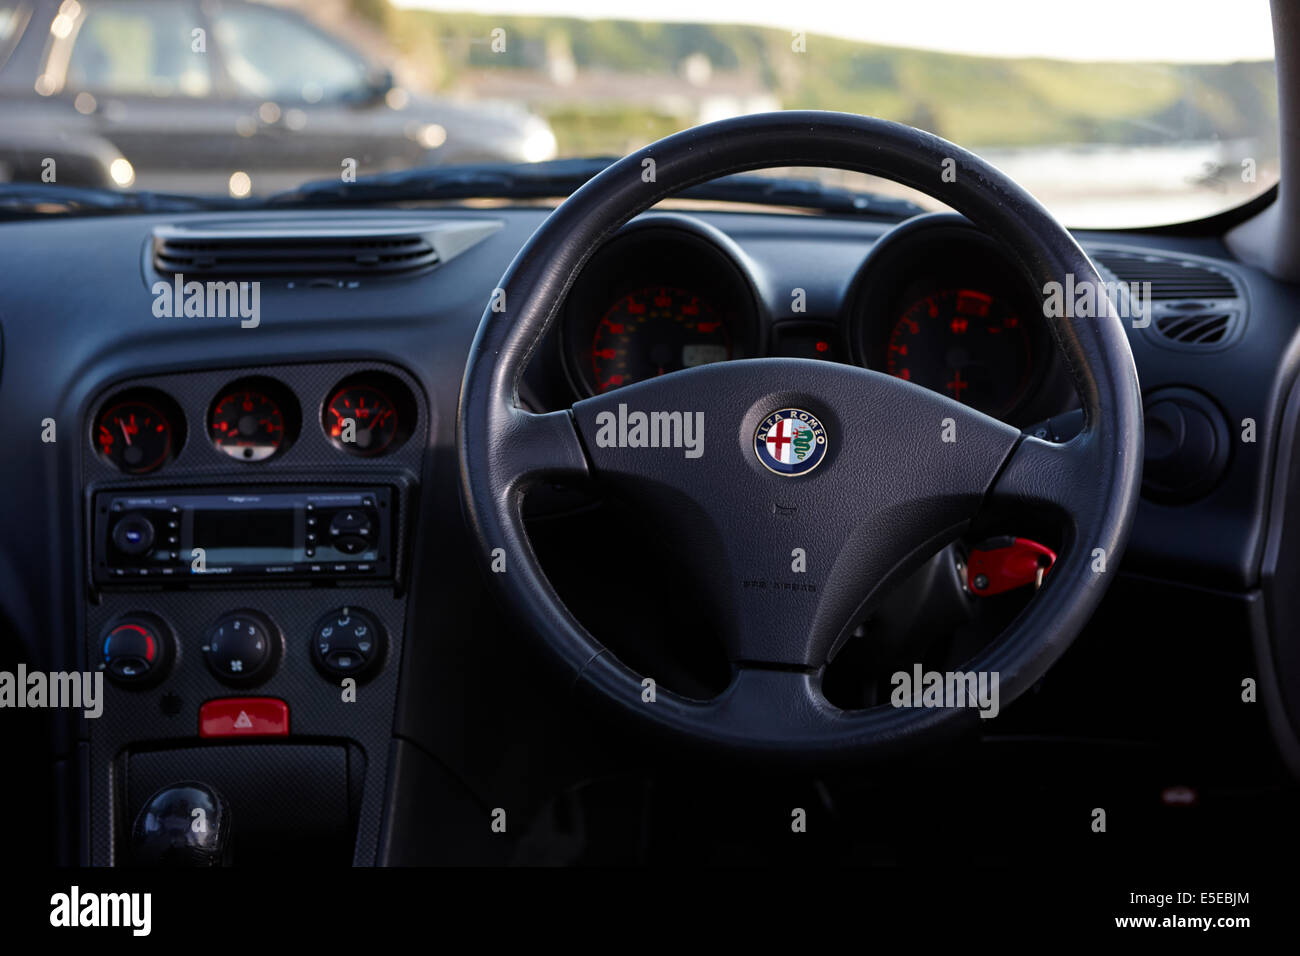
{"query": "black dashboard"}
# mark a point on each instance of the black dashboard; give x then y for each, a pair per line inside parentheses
(192, 478)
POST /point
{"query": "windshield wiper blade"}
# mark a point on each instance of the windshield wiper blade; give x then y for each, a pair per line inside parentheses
(558, 178)
(25, 199)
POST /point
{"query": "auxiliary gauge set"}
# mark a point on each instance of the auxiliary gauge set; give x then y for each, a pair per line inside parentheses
(254, 420)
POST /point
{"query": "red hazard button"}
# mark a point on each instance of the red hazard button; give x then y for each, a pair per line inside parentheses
(244, 717)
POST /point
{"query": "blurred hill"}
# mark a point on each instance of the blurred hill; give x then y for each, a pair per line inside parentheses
(635, 81)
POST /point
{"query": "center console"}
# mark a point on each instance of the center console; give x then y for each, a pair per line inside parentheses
(246, 568)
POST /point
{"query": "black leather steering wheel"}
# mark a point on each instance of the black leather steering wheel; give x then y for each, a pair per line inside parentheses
(889, 487)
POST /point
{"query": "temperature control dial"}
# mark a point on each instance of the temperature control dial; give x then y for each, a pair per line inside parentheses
(136, 650)
(243, 647)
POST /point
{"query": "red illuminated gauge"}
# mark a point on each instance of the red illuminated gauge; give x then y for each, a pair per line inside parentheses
(654, 331)
(361, 420)
(135, 436)
(246, 424)
(965, 344)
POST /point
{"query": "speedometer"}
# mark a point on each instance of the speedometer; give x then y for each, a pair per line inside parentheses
(654, 331)
(966, 344)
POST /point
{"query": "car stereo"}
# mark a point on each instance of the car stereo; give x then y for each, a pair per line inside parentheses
(200, 535)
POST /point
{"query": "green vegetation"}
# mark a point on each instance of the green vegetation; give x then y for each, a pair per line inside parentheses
(971, 100)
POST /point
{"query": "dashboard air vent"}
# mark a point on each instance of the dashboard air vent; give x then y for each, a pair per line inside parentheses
(247, 256)
(1198, 328)
(1169, 278)
(326, 246)
(1193, 305)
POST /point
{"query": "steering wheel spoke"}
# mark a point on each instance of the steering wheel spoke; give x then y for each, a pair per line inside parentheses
(775, 701)
(1066, 479)
(532, 446)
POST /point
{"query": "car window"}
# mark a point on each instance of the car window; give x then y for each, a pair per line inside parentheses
(272, 56)
(140, 48)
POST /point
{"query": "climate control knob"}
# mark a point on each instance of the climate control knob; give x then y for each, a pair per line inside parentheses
(347, 642)
(242, 647)
(136, 650)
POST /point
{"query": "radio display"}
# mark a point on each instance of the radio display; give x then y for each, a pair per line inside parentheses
(235, 537)
(311, 532)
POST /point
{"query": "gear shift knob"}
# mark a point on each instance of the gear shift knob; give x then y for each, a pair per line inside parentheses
(183, 824)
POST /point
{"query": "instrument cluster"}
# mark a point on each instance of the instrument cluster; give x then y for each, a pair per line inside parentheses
(935, 302)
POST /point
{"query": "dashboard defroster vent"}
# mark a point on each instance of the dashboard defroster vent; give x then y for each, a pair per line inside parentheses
(1169, 278)
(295, 248)
(332, 256)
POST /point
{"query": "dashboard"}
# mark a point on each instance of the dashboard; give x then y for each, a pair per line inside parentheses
(208, 510)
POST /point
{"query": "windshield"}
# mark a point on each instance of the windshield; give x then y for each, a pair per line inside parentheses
(1140, 113)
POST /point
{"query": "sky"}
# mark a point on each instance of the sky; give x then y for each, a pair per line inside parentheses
(1197, 31)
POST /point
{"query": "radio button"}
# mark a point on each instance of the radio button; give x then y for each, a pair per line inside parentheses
(133, 535)
(351, 544)
(241, 648)
(350, 523)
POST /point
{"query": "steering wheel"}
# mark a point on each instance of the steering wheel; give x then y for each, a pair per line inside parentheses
(744, 462)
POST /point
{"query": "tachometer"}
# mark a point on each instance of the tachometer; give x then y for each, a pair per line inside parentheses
(966, 344)
(654, 331)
